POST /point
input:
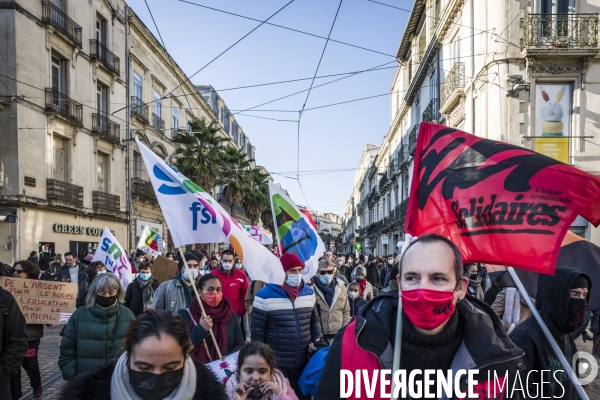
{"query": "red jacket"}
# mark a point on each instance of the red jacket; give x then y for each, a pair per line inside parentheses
(235, 286)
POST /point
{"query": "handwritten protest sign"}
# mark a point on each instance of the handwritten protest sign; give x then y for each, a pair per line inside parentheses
(164, 269)
(43, 302)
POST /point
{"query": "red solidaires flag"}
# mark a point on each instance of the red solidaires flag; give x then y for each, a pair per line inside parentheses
(500, 203)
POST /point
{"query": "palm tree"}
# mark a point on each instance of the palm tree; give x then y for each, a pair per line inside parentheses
(199, 155)
(256, 198)
(235, 176)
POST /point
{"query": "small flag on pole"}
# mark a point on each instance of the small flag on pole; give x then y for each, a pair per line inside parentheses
(150, 242)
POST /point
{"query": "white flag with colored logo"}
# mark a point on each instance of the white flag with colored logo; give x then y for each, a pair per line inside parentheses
(194, 216)
(261, 235)
(111, 253)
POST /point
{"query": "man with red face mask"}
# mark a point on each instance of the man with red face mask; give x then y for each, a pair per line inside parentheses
(442, 328)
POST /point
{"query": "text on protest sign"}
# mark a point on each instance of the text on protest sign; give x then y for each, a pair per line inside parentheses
(43, 302)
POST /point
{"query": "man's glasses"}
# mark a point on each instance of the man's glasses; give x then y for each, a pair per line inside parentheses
(326, 272)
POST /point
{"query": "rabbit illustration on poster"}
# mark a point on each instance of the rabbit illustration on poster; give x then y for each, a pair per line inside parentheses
(552, 114)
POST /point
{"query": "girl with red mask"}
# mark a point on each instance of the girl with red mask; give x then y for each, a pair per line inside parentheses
(220, 318)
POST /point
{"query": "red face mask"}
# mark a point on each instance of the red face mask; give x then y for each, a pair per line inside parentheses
(427, 309)
(213, 298)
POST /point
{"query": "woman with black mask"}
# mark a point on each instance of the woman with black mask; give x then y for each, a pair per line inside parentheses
(95, 333)
(155, 365)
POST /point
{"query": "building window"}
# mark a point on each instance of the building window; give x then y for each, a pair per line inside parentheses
(137, 165)
(60, 159)
(102, 172)
(157, 104)
(137, 85)
(59, 75)
(101, 30)
(102, 99)
(175, 122)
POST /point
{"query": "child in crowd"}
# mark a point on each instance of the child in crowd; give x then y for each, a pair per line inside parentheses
(256, 377)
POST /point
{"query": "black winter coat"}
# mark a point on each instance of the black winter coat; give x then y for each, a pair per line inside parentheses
(285, 325)
(355, 305)
(13, 343)
(64, 273)
(95, 385)
(553, 297)
(134, 296)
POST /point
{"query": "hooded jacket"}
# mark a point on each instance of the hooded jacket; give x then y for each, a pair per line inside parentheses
(95, 385)
(552, 301)
(368, 344)
(235, 285)
(338, 315)
(285, 325)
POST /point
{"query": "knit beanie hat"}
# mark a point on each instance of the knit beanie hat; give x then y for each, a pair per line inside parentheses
(581, 282)
(289, 261)
(188, 257)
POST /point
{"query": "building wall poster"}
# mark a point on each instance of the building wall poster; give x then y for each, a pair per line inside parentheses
(553, 120)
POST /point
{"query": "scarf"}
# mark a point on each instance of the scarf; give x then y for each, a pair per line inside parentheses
(221, 314)
(292, 292)
(362, 285)
(120, 388)
(147, 292)
(430, 351)
(328, 291)
(276, 376)
(187, 289)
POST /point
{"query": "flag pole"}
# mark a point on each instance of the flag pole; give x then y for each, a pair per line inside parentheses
(397, 346)
(276, 228)
(548, 335)
(199, 301)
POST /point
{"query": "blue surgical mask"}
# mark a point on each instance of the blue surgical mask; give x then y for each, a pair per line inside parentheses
(145, 276)
(326, 279)
(187, 277)
(293, 280)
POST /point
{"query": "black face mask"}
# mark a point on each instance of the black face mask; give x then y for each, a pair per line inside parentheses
(575, 314)
(473, 276)
(106, 302)
(151, 386)
(255, 393)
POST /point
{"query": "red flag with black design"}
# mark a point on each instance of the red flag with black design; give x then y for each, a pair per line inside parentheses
(500, 203)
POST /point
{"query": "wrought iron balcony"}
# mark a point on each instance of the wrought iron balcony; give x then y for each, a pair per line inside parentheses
(64, 192)
(412, 139)
(143, 188)
(106, 128)
(106, 202)
(402, 155)
(432, 112)
(383, 181)
(55, 17)
(453, 84)
(158, 123)
(63, 105)
(139, 109)
(560, 31)
(100, 52)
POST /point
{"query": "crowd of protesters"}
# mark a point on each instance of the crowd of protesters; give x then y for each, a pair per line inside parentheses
(293, 338)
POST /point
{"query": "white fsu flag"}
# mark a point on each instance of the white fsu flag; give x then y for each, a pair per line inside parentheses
(261, 235)
(194, 216)
(111, 253)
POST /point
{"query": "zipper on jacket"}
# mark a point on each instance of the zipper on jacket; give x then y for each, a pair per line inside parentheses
(357, 335)
(297, 333)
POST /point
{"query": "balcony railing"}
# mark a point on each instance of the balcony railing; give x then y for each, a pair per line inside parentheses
(560, 31)
(63, 105)
(455, 80)
(158, 123)
(383, 181)
(105, 127)
(412, 139)
(432, 112)
(143, 188)
(139, 109)
(55, 17)
(402, 155)
(100, 52)
(106, 202)
(64, 192)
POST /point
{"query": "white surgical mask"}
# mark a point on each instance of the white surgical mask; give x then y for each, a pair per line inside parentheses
(145, 276)
(326, 279)
(293, 280)
(390, 262)
(101, 272)
(340, 262)
(238, 265)
(353, 295)
(227, 266)
(194, 274)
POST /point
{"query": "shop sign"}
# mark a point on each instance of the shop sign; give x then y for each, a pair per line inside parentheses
(77, 230)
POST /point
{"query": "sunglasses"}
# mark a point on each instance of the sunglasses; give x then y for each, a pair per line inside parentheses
(18, 270)
(326, 272)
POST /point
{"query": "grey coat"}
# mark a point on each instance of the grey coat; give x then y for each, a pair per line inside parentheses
(170, 295)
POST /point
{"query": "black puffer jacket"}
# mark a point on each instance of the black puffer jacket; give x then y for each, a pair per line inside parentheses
(13, 345)
(95, 385)
(287, 326)
(553, 299)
